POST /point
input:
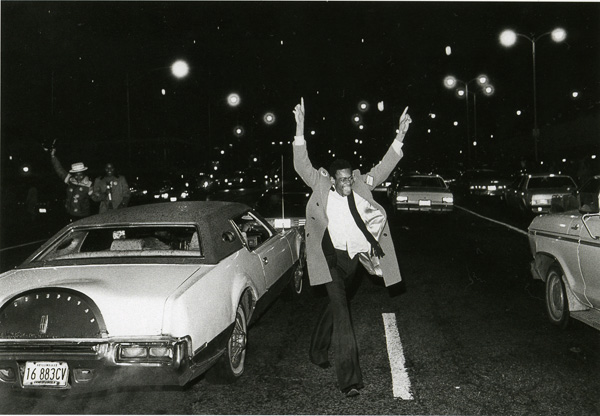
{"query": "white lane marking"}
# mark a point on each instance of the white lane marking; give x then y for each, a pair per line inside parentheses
(400, 380)
(497, 222)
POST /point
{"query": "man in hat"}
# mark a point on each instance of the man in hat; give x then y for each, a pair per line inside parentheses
(344, 225)
(111, 190)
(79, 188)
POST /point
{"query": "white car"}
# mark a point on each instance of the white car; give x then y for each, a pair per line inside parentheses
(422, 193)
(149, 295)
(566, 251)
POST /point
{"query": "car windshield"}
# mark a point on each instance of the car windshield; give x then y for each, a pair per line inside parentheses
(125, 241)
(550, 182)
(422, 182)
(269, 205)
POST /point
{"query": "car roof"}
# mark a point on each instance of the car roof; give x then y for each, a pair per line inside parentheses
(171, 212)
(211, 217)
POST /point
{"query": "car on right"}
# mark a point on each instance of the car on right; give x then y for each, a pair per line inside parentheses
(536, 193)
(566, 256)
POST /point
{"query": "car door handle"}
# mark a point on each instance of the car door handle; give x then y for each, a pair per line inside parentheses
(265, 260)
(575, 227)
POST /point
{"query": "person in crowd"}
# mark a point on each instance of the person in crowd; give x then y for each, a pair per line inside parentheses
(111, 190)
(79, 188)
(344, 224)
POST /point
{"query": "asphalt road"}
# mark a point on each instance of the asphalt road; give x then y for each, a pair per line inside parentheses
(471, 323)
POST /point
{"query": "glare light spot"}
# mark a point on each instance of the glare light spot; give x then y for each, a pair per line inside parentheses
(448, 51)
(163, 91)
(380, 106)
(474, 143)
(428, 130)
(593, 156)
(518, 112)
(456, 123)
(312, 132)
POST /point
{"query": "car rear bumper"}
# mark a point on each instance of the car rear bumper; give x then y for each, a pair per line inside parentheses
(93, 365)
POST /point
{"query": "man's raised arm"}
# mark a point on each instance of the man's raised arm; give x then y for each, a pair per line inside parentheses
(383, 169)
(302, 163)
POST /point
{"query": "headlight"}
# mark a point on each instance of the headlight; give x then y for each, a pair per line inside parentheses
(401, 198)
(448, 199)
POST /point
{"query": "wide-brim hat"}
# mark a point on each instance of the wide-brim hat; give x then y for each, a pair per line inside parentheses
(78, 167)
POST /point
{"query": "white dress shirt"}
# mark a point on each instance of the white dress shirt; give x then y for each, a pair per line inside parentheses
(345, 234)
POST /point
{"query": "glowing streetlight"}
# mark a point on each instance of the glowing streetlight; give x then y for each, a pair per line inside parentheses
(269, 118)
(508, 38)
(180, 69)
(233, 100)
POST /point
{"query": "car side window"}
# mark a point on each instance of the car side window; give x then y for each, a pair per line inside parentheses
(254, 233)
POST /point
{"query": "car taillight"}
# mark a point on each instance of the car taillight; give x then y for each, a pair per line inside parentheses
(401, 198)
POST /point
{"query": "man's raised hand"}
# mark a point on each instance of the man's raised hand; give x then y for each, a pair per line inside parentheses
(405, 120)
(299, 115)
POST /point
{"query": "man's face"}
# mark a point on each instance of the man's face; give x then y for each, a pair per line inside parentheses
(343, 182)
(79, 176)
(109, 169)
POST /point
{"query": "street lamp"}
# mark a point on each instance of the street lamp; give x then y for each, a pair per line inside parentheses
(508, 38)
(179, 69)
(482, 80)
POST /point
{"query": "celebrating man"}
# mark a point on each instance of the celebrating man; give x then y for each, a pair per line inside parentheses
(344, 224)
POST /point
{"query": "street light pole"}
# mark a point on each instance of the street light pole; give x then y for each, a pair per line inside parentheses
(451, 82)
(179, 69)
(508, 38)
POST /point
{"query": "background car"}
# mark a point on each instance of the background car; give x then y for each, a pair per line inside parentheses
(566, 251)
(422, 193)
(534, 193)
(156, 294)
(481, 183)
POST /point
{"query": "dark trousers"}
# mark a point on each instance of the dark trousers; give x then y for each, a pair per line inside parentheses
(334, 327)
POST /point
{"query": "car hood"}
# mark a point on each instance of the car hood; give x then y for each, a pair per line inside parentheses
(554, 223)
(130, 298)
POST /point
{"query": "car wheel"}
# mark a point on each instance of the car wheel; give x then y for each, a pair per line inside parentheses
(230, 365)
(557, 303)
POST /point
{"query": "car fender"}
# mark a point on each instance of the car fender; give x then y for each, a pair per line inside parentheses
(205, 305)
(541, 265)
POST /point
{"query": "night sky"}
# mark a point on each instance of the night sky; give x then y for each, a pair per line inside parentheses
(65, 67)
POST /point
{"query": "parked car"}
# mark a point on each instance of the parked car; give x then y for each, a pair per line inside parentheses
(534, 193)
(566, 251)
(482, 183)
(422, 193)
(148, 295)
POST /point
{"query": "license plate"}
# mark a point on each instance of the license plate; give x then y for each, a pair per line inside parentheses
(424, 203)
(46, 374)
(491, 188)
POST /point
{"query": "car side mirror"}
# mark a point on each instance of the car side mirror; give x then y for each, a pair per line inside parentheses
(228, 236)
